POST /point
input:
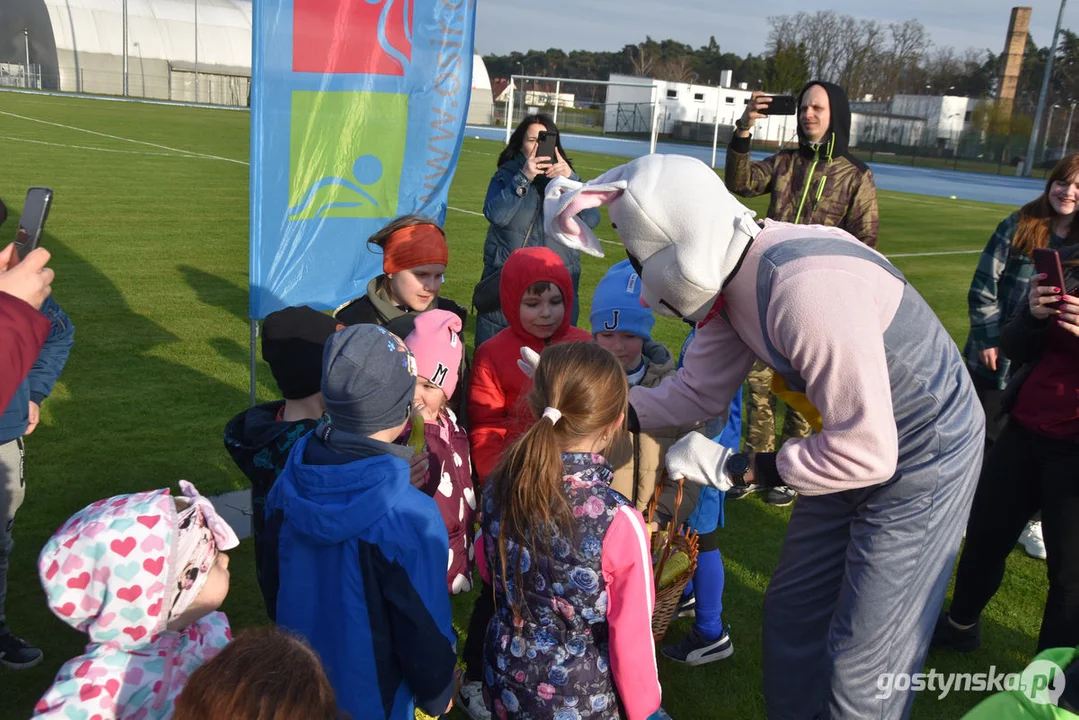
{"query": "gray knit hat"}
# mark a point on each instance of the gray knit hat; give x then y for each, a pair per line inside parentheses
(368, 379)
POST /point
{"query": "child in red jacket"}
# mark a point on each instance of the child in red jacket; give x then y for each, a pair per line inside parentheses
(537, 294)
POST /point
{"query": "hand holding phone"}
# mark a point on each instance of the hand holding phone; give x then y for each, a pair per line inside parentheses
(32, 220)
(29, 281)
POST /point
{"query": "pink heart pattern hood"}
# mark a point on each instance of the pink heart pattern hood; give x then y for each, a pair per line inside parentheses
(110, 571)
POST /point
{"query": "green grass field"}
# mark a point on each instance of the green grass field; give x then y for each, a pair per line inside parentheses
(150, 249)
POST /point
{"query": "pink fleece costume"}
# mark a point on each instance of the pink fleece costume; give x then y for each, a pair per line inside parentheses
(886, 485)
(111, 571)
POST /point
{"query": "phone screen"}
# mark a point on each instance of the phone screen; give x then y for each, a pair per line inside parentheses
(1047, 262)
(32, 220)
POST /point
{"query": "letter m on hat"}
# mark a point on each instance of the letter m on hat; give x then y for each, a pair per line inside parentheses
(439, 375)
(365, 37)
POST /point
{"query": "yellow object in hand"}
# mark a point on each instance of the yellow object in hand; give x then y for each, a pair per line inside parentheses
(677, 564)
(416, 439)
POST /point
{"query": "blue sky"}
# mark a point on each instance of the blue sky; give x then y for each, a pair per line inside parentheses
(741, 27)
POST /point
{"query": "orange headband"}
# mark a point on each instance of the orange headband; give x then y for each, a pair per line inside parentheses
(414, 246)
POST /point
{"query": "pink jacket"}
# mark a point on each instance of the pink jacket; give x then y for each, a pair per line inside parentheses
(107, 573)
(828, 315)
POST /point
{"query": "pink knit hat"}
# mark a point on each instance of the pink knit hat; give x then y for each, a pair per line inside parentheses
(436, 342)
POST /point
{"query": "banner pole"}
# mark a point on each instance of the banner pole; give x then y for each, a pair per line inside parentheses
(254, 341)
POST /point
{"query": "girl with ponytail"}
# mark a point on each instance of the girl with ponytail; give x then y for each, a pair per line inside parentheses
(568, 557)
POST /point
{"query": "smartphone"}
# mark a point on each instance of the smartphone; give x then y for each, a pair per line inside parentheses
(546, 144)
(782, 105)
(1047, 262)
(32, 221)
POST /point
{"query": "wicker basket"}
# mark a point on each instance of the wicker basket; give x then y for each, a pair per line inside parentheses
(664, 545)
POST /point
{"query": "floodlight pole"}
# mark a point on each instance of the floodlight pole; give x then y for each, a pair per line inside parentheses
(1068, 130)
(715, 132)
(125, 48)
(1033, 146)
(557, 91)
(26, 44)
(509, 110)
(196, 51)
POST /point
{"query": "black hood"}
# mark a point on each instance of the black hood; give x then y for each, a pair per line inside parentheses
(840, 127)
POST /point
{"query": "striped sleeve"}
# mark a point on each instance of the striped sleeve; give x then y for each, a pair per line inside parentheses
(631, 597)
(983, 299)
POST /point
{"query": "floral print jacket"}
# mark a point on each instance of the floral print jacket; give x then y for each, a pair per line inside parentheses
(581, 647)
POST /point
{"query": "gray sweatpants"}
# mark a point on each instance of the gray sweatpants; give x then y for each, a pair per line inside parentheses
(860, 583)
(12, 490)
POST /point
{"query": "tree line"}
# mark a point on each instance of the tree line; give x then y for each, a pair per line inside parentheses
(866, 57)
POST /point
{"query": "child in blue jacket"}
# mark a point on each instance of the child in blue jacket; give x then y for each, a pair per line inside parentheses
(357, 554)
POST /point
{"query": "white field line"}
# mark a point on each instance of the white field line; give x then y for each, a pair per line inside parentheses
(176, 152)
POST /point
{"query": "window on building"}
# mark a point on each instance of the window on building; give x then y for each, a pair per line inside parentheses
(672, 94)
(730, 100)
(968, 116)
(699, 97)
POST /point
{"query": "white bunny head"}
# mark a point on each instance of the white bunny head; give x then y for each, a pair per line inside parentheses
(683, 230)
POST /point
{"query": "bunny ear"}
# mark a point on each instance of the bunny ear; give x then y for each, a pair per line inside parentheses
(564, 199)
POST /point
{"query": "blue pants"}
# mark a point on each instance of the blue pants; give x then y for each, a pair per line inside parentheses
(860, 583)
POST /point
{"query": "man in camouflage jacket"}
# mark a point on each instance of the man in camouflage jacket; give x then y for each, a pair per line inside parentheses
(816, 183)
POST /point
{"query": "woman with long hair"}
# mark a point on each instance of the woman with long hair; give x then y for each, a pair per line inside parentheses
(568, 557)
(514, 209)
(999, 288)
(1032, 465)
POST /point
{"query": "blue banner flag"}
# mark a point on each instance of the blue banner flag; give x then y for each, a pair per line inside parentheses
(358, 112)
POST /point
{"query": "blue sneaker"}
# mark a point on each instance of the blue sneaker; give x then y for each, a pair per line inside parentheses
(16, 653)
(695, 650)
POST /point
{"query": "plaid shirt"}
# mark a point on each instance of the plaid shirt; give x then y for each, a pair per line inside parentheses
(999, 287)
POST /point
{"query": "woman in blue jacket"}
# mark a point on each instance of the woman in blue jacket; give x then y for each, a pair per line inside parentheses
(514, 204)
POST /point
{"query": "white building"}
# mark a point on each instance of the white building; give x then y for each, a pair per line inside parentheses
(946, 117)
(78, 46)
(687, 112)
(481, 108)
(537, 98)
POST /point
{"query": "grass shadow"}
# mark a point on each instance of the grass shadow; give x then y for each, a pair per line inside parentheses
(216, 291)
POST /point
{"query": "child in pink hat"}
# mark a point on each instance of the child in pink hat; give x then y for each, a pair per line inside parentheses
(435, 340)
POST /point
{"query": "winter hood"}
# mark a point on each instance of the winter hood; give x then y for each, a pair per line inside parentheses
(526, 267)
(680, 225)
(836, 141)
(112, 571)
(329, 504)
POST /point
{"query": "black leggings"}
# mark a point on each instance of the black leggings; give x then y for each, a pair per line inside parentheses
(1024, 472)
(482, 612)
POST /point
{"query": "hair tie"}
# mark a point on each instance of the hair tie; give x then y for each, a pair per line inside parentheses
(553, 414)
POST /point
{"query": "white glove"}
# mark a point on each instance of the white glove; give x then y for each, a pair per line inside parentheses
(529, 361)
(697, 459)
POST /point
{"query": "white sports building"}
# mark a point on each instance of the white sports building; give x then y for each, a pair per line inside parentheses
(78, 46)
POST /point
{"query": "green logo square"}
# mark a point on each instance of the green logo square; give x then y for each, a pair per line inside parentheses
(346, 153)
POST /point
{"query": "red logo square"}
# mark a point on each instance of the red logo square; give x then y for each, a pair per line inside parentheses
(368, 37)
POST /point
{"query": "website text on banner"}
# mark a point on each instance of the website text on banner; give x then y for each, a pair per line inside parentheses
(358, 112)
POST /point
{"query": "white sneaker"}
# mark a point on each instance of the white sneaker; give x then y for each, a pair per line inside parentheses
(470, 699)
(1032, 541)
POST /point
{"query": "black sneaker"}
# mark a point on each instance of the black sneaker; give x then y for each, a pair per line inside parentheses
(687, 608)
(695, 650)
(16, 654)
(742, 491)
(780, 496)
(947, 636)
